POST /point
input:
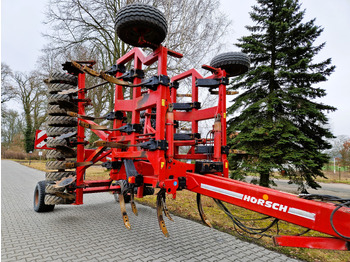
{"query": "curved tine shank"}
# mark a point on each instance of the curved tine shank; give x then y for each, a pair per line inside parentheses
(160, 214)
(165, 209)
(201, 212)
(123, 208)
(132, 202)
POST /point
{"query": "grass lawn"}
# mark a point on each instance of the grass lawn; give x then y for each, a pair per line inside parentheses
(185, 206)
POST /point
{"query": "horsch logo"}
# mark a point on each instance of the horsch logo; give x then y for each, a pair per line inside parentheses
(265, 203)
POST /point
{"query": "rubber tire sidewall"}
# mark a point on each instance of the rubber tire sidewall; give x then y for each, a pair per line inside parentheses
(39, 197)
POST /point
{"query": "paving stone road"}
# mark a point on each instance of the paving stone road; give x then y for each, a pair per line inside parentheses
(95, 231)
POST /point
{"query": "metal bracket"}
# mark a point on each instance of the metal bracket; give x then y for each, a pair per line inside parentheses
(185, 106)
(153, 82)
(112, 164)
(154, 145)
(116, 68)
(130, 75)
(212, 83)
(129, 128)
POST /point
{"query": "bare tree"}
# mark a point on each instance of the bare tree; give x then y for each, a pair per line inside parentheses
(7, 89)
(32, 95)
(11, 126)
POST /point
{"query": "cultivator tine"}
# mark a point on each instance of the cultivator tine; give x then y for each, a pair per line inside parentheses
(110, 144)
(165, 209)
(123, 208)
(160, 213)
(113, 79)
(95, 127)
(132, 202)
(201, 212)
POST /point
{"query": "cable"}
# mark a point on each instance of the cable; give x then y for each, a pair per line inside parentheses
(339, 206)
(344, 202)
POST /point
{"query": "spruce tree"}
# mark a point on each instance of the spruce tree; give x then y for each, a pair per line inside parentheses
(281, 125)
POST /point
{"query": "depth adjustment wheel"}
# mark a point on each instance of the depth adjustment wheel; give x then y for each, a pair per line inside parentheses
(234, 63)
(39, 198)
(141, 22)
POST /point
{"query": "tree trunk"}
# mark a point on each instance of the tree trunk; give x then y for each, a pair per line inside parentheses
(264, 179)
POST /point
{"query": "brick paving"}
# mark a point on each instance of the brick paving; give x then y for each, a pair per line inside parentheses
(95, 231)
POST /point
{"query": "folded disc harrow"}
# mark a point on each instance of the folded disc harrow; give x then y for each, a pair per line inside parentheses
(145, 149)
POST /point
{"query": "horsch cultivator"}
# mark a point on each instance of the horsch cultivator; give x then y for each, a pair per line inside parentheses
(144, 149)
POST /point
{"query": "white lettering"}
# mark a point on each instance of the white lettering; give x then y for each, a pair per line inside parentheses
(246, 198)
(275, 206)
(253, 200)
(261, 202)
(283, 208)
(268, 204)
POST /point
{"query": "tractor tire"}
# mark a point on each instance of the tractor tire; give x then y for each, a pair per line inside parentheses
(58, 165)
(59, 87)
(57, 131)
(234, 63)
(62, 121)
(55, 154)
(140, 20)
(52, 189)
(56, 176)
(39, 198)
(56, 200)
(53, 143)
(63, 78)
(56, 110)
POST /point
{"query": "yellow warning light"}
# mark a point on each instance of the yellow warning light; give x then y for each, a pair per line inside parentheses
(265, 197)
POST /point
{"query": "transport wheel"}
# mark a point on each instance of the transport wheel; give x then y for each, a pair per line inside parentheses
(39, 198)
(63, 78)
(53, 143)
(59, 87)
(141, 21)
(56, 200)
(54, 131)
(56, 176)
(52, 189)
(51, 165)
(62, 121)
(234, 63)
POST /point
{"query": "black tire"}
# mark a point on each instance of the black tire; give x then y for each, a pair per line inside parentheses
(56, 176)
(39, 198)
(59, 165)
(56, 200)
(53, 143)
(59, 87)
(52, 189)
(57, 131)
(55, 154)
(234, 63)
(63, 78)
(136, 20)
(56, 110)
(62, 121)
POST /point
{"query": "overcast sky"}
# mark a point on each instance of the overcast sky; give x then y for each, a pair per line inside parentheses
(21, 41)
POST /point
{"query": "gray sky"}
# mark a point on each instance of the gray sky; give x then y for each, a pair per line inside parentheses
(21, 41)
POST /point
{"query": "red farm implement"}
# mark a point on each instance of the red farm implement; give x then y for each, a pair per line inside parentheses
(143, 146)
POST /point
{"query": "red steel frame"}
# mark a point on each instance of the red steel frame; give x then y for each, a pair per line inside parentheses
(163, 168)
